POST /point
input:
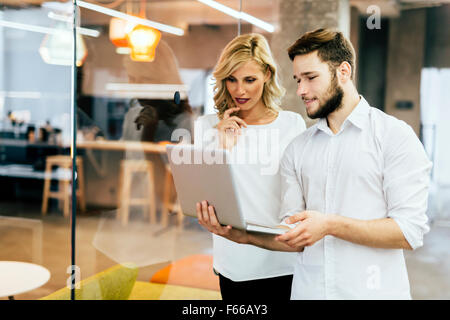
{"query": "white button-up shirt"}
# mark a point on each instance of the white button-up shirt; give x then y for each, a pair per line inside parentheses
(373, 168)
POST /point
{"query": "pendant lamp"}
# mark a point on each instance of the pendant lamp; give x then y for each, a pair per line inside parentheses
(143, 41)
(57, 47)
(118, 29)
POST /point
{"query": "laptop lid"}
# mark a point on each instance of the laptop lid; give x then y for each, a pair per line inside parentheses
(203, 174)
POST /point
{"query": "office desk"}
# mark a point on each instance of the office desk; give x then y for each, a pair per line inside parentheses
(102, 160)
(118, 145)
(20, 277)
(16, 151)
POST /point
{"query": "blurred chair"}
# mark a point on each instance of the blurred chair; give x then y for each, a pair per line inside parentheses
(119, 283)
(63, 194)
(170, 202)
(127, 169)
(194, 271)
(114, 283)
(157, 291)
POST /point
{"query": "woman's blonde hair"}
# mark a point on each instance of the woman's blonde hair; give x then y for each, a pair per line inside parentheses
(238, 51)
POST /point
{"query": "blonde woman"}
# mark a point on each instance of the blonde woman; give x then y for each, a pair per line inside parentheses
(249, 121)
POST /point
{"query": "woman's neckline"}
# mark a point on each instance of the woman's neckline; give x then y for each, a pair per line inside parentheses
(266, 124)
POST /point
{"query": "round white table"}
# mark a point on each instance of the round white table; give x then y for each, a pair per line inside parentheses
(19, 277)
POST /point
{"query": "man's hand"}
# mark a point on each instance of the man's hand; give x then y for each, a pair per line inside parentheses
(207, 218)
(312, 226)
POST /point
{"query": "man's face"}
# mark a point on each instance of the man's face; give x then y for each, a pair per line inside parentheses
(316, 85)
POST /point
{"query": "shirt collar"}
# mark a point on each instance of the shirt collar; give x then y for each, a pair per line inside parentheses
(322, 124)
(357, 117)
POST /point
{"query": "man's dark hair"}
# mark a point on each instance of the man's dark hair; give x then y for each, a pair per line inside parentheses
(332, 47)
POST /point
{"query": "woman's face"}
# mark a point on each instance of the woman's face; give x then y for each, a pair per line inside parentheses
(246, 85)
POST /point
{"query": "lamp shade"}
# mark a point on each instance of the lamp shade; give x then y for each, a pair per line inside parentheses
(118, 30)
(143, 41)
(57, 48)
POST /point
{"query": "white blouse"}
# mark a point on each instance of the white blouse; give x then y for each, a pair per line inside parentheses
(256, 171)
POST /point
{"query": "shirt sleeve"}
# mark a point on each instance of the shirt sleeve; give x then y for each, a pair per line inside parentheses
(406, 180)
(291, 189)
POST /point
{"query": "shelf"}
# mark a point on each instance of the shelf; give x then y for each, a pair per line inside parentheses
(146, 91)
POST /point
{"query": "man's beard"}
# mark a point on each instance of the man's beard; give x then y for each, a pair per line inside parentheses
(333, 103)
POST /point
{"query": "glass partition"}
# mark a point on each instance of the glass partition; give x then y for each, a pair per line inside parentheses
(127, 92)
(35, 165)
(132, 213)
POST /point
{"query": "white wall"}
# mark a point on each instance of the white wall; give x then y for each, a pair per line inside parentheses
(24, 71)
(435, 112)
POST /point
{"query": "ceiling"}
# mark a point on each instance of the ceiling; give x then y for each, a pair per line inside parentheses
(173, 12)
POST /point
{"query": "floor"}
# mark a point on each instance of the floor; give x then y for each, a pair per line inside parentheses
(103, 242)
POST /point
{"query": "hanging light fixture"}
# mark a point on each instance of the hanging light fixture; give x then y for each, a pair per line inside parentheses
(143, 40)
(56, 47)
(119, 28)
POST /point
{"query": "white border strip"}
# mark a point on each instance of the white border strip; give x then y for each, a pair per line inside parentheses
(144, 90)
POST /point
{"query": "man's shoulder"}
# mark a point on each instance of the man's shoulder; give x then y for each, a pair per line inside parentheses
(388, 126)
(292, 121)
(299, 142)
(306, 135)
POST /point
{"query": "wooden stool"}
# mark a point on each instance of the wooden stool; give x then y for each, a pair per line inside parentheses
(128, 168)
(63, 193)
(168, 204)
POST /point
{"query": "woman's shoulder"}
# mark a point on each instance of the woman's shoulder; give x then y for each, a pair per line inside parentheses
(208, 117)
(290, 115)
(207, 120)
(292, 118)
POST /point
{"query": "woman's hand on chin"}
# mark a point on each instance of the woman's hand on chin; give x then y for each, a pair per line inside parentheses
(230, 128)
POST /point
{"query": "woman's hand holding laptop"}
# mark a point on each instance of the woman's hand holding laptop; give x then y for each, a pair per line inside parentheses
(207, 218)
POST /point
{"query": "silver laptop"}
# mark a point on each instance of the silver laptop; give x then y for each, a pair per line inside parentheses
(199, 178)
